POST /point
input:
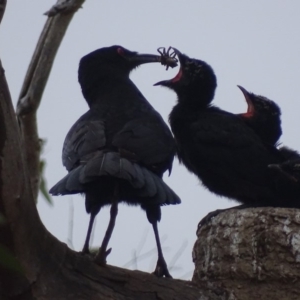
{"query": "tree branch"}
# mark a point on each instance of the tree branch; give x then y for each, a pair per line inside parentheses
(2, 8)
(13, 191)
(35, 82)
(250, 253)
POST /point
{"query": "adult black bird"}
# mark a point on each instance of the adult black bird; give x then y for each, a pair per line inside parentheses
(120, 148)
(263, 116)
(229, 158)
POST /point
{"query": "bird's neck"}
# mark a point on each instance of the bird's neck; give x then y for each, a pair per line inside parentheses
(113, 89)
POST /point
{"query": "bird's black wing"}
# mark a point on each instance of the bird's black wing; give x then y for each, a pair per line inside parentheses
(226, 144)
(86, 136)
(150, 139)
(87, 157)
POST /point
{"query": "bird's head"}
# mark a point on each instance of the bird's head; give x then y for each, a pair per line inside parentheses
(259, 106)
(103, 67)
(195, 81)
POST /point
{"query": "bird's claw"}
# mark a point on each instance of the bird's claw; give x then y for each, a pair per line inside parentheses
(161, 269)
(167, 58)
(100, 258)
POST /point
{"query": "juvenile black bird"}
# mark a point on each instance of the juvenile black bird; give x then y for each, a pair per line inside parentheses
(263, 116)
(226, 154)
(120, 148)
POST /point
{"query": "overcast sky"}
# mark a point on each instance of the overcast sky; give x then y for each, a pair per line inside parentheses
(255, 44)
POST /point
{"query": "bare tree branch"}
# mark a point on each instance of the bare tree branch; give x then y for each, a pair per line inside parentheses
(35, 82)
(2, 8)
(15, 198)
(63, 6)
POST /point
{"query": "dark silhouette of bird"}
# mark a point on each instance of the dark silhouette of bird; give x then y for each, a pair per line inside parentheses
(263, 116)
(119, 149)
(228, 157)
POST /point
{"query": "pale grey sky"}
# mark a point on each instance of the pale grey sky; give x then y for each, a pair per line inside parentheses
(255, 44)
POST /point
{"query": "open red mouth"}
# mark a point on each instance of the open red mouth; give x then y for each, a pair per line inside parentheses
(250, 109)
(177, 77)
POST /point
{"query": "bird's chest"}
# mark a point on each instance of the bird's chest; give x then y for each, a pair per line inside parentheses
(183, 130)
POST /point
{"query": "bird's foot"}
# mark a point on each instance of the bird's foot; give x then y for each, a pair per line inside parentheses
(161, 269)
(85, 251)
(100, 258)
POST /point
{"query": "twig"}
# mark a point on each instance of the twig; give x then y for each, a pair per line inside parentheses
(34, 85)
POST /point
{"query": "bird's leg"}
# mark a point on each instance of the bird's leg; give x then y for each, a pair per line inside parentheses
(214, 213)
(103, 253)
(85, 249)
(161, 266)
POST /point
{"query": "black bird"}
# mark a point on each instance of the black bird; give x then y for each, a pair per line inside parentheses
(229, 158)
(263, 116)
(120, 148)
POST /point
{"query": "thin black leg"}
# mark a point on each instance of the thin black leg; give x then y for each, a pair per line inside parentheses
(103, 253)
(85, 249)
(161, 266)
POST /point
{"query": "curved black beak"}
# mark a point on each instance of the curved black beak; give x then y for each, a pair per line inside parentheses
(139, 59)
(245, 92)
(247, 95)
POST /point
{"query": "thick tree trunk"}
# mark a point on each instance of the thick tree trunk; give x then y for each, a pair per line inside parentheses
(251, 253)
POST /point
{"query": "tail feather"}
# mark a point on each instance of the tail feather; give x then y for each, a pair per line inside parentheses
(143, 184)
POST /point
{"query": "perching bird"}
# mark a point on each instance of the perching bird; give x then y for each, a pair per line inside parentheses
(263, 116)
(226, 154)
(120, 148)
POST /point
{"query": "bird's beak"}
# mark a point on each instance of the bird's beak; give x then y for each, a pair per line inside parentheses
(139, 59)
(247, 96)
(182, 59)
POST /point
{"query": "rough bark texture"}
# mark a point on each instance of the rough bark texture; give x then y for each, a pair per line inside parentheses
(60, 16)
(251, 253)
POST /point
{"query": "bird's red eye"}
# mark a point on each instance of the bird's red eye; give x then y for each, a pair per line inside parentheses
(120, 51)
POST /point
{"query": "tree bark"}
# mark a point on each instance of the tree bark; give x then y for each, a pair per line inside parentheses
(251, 253)
(59, 18)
